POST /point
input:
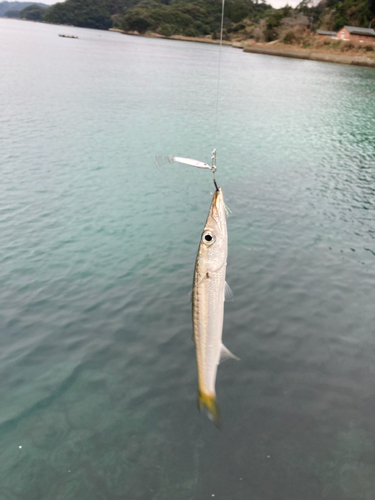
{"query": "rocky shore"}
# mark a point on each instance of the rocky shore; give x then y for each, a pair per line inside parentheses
(312, 55)
(271, 50)
(207, 39)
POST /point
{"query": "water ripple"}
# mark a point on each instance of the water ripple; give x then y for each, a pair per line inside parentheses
(97, 252)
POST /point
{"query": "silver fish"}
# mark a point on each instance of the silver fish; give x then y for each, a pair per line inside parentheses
(208, 295)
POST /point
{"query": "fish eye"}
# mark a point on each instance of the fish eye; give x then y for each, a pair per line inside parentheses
(208, 238)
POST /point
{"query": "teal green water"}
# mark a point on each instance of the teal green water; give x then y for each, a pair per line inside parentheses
(97, 367)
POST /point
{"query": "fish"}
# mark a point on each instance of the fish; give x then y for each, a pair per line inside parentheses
(208, 296)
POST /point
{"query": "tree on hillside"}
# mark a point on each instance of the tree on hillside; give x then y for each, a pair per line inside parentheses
(11, 13)
(32, 13)
(371, 6)
(136, 20)
(82, 13)
(337, 14)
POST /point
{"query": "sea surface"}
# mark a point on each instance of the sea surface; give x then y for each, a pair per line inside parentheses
(97, 248)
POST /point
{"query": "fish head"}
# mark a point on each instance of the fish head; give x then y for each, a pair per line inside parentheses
(214, 241)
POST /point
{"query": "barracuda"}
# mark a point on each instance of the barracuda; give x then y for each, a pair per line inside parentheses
(208, 295)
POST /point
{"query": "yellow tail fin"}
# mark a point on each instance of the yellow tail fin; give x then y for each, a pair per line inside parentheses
(207, 403)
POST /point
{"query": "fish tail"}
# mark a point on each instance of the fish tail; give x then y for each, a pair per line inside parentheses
(208, 404)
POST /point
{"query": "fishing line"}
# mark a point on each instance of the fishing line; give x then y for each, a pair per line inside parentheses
(161, 160)
(213, 158)
(219, 65)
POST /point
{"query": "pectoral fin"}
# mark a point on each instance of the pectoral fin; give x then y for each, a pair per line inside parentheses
(228, 294)
(226, 354)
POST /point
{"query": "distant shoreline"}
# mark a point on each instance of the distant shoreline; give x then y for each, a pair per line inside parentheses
(312, 55)
(173, 37)
(256, 48)
(265, 49)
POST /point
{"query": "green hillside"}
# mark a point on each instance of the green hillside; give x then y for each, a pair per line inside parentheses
(6, 7)
(194, 18)
(33, 12)
(82, 13)
(334, 15)
(243, 19)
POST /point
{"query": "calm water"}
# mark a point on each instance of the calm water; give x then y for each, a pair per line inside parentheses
(97, 367)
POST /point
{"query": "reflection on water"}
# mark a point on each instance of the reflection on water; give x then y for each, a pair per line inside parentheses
(98, 392)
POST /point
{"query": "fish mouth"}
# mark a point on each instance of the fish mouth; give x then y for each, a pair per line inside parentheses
(218, 208)
(218, 197)
(218, 200)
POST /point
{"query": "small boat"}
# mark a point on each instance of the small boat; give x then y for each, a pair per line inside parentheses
(69, 36)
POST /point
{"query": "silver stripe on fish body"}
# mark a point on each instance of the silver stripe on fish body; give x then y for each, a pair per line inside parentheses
(208, 297)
